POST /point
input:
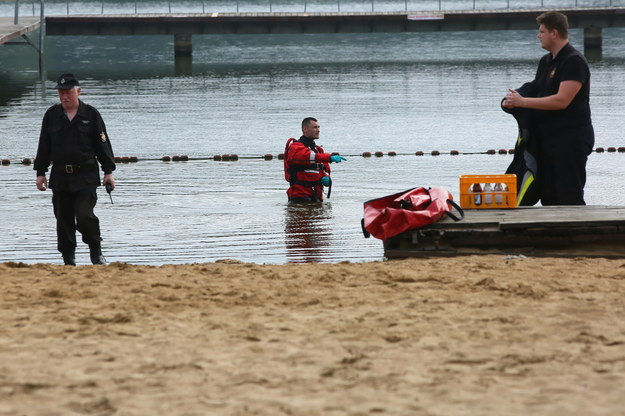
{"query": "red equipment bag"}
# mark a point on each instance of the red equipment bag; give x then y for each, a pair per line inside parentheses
(393, 214)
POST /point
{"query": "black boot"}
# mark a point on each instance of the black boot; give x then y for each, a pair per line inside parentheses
(95, 252)
(69, 259)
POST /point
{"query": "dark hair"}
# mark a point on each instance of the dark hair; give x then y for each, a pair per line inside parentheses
(307, 121)
(555, 20)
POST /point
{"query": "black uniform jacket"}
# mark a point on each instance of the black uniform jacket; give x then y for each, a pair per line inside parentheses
(74, 148)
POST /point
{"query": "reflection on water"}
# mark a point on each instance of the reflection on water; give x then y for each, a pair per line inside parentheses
(307, 232)
(183, 66)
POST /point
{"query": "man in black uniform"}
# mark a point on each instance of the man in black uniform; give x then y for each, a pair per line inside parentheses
(73, 138)
(559, 96)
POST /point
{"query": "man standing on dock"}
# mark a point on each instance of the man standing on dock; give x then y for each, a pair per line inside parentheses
(559, 96)
(73, 138)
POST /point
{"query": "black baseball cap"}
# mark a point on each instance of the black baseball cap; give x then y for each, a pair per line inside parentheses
(66, 81)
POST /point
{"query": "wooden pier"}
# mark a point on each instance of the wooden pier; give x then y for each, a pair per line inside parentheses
(184, 26)
(537, 231)
(9, 30)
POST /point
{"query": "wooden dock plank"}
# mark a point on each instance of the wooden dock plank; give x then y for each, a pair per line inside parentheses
(9, 30)
(558, 231)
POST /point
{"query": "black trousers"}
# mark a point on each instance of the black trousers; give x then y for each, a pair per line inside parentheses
(562, 165)
(74, 211)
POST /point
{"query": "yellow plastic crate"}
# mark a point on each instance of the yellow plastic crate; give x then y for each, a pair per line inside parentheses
(497, 191)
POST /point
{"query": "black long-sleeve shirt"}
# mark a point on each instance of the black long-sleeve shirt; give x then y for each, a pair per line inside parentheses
(79, 142)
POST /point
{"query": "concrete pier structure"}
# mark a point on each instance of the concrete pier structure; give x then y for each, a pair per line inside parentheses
(184, 26)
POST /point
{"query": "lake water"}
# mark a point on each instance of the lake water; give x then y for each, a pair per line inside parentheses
(248, 94)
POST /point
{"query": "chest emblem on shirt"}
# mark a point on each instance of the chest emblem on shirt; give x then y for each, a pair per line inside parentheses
(103, 137)
(553, 73)
(85, 121)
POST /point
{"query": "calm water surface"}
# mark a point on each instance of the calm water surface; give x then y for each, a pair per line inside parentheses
(247, 95)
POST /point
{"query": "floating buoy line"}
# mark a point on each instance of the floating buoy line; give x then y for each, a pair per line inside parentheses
(280, 156)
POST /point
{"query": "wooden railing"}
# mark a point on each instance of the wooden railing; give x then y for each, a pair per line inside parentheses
(205, 6)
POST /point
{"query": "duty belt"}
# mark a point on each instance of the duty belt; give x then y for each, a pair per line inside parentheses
(75, 168)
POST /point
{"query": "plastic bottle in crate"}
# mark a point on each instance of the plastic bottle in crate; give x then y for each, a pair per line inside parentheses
(488, 194)
(505, 193)
(499, 193)
(476, 188)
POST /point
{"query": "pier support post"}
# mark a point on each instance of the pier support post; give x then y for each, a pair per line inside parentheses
(183, 45)
(183, 54)
(593, 43)
(42, 42)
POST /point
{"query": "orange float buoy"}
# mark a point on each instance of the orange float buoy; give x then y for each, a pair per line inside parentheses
(511, 151)
(503, 152)
(392, 153)
(435, 153)
(419, 153)
(184, 158)
(133, 159)
(611, 149)
(268, 156)
(234, 157)
(366, 154)
(621, 149)
(26, 161)
(281, 156)
(599, 150)
(166, 158)
(491, 152)
(379, 154)
(6, 162)
(217, 158)
(454, 153)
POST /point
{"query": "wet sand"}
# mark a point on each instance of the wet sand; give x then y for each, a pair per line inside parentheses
(476, 335)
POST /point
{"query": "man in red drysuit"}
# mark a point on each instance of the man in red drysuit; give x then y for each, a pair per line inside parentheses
(307, 166)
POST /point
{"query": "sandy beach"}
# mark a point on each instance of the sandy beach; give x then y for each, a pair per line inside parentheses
(475, 335)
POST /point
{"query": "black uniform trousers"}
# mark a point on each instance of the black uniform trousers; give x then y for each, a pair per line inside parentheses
(74, 211)
(562, 164)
